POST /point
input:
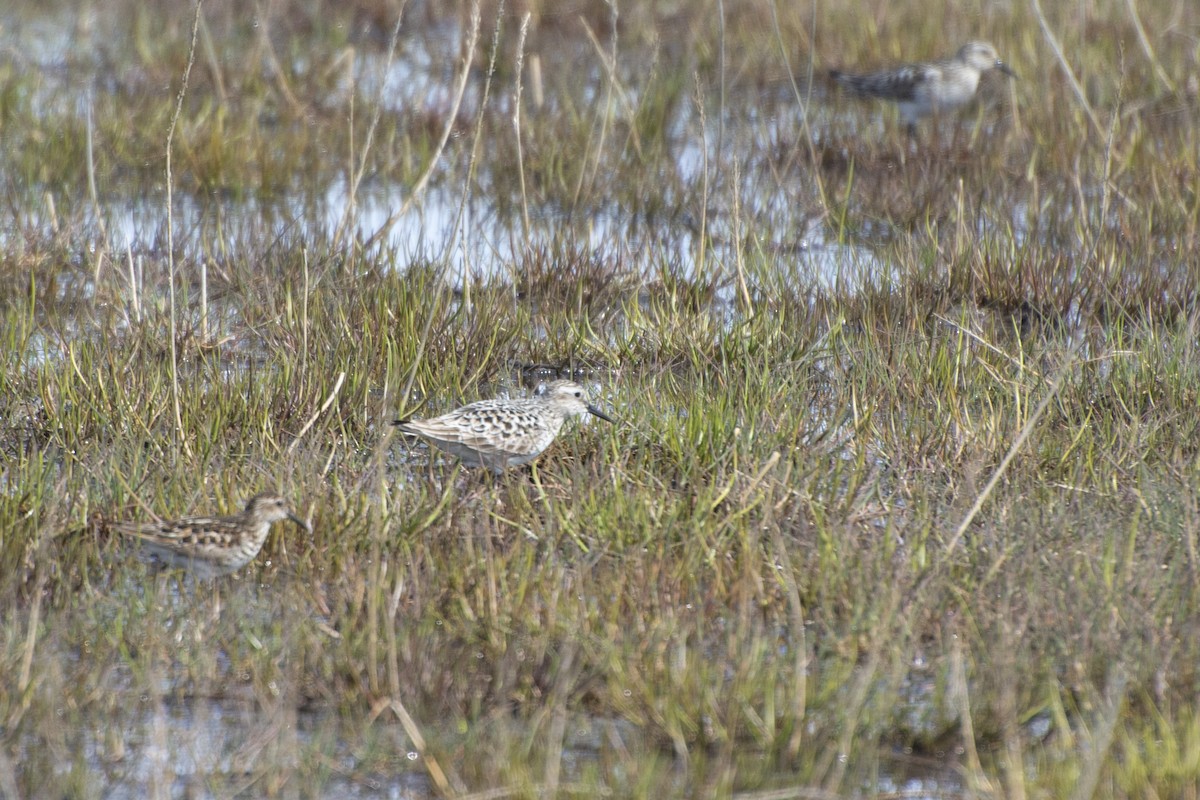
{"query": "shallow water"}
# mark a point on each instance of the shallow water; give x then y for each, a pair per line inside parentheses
(464, 232)
(208, 747)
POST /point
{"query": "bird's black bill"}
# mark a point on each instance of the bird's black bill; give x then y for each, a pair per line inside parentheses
(302, 523)
(1006, 69)
(595, 412)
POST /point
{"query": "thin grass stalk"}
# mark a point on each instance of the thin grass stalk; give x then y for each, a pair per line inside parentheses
(721, 76)
(31, 635)
(1147, 48)
(133, 284)
(436, 773)
(831, 767)
(94, 196)
(268, 48)
(304, 312)
(605, 108)
(803, 100)
(419, 187)
(961, 698)
(459, 229)
(187, 72)
(1018, 127)
(556, 735)
(1056, 46)
(1103, 731)
(702, 236)
(1012, 760)
(337, 387)
(516, 119)
(356, 174)
(739, 243)
(204, 299)
(787, 574)
(1018, 443)
(376, 573)
(214, 64)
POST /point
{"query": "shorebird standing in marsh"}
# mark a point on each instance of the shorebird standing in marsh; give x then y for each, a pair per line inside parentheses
(931, 87)
(210, 547)
(504, 433)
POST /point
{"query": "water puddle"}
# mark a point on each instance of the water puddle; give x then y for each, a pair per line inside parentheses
(209, 747)
(465, 233)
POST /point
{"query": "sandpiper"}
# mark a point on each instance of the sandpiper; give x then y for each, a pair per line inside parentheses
(931, 87)
(212, 546)
(504, 433)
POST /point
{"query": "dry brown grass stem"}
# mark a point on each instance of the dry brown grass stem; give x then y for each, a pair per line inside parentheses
(432, 766)
(134, 294)
(800, 665)
(702, 124)
(1060, 55)
(1026, 430)
(333, 393)
(739, 242)
(613, 90)
(187, 72)
(803, 99)
(356, 175)
(460, 231)
(959, 695)
(418, 188)
(94, 197)
(277, 69)
(1101, 733)
(214, 63)
(516, 121)
(1147, 48)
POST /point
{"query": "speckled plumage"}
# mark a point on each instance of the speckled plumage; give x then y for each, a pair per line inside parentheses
(504, 433)
(927, 88)
(211, 546)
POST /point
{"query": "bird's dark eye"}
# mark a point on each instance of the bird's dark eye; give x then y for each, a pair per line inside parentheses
(579, 394)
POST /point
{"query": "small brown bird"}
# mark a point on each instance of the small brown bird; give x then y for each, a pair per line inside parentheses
(211, 546)
(505, 433)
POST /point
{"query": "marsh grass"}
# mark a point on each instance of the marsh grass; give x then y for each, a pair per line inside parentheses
(943, 515)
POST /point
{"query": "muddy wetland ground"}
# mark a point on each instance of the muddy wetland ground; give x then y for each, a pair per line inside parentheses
(901, 501)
